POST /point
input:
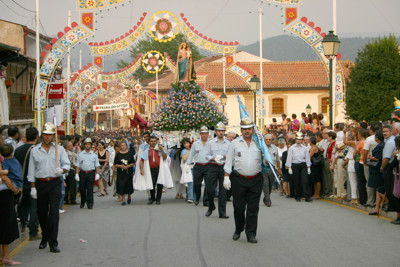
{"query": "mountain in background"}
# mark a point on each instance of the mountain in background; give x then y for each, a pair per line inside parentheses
(290, 48)
(277, 48)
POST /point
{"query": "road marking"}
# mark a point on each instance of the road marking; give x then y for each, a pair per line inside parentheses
(352, 208)
(24, 243)
(20, 247)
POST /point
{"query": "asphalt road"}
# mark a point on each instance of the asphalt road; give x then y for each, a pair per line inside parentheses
(176, 233)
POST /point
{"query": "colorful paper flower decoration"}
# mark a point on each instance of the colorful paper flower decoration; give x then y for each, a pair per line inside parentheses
(163, 26)
(153, 61)
(138, 86)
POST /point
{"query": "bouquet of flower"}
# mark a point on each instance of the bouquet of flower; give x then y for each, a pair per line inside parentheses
(125, 162)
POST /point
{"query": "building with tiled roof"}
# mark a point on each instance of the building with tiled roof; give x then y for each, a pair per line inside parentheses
(289, 86)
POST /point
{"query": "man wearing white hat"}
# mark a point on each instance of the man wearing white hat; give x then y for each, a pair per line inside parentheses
(198, 155)
(299, 163)
(216, 150)
(87, 171)
(45, 179)
(243, 171)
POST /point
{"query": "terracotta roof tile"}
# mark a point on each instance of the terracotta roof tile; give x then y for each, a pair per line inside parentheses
(283, 74)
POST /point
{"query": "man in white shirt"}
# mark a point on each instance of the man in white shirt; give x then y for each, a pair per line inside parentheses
(243, 168)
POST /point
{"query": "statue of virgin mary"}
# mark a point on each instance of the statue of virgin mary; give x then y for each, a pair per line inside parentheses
(184, 71)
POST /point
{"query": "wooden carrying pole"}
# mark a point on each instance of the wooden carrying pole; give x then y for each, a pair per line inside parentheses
(56, 139)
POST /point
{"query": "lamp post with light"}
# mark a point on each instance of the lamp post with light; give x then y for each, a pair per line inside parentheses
(224, 100)
(331, 44)
(308, 109)
(254, 86)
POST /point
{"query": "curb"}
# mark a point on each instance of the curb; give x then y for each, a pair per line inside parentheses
(387, 215)
(23, 236)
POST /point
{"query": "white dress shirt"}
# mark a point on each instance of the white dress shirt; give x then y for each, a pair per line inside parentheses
(242, 158)
(42, 164)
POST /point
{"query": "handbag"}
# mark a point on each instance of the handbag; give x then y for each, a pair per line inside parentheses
(318, 160)
(372, 163)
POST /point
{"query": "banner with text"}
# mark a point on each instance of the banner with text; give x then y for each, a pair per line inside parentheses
(110, 106)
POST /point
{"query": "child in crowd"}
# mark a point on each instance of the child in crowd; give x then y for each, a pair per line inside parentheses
(11, 166)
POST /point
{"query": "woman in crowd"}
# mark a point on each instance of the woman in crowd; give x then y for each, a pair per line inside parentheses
(316, 167)
(351, 172)
(359, 167)
(104, 158)
(285, 173)
(375, 176)
(187, 174)
(77, 142)
(315, 123)
(281, 144)
(124, 162)
(176, 172)
(8, 220)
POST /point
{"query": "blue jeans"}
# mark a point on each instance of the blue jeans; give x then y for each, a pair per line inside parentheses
(62, 193)
(190, 191)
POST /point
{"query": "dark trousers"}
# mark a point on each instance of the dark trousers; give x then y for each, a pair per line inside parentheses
(300, 179)
(27, 211)
(48, 203)
(246, 198)
(291, 185)
(86, 181)
(388, 181)
(154, 177)
(70, 190)
(216, 174)
(361, 183)
(199, 174)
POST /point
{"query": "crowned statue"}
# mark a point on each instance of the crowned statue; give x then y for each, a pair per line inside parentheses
(184, 71)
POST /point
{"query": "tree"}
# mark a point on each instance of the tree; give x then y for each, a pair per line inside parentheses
(186, 108)
(374, 81)
(148, 43)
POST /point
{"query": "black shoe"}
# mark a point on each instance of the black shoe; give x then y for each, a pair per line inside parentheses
(308, 200)
(224, 216)
(235, 236)
(150, 202)
(43, 244)
(205, 204)
(73, 203)
(397, 221)
(373, 213)
(90, 207)
(196, 202)
(252, 239)
(287, 196)
(298, 199)
(267, 203)
(388, 209)
(55, 249)
(82, 205)
(366, 205)
(209, 212)
(158, 202)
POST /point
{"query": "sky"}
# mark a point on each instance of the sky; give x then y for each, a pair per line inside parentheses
(226, 20)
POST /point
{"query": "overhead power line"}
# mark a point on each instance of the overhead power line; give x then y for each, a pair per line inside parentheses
(23, 6)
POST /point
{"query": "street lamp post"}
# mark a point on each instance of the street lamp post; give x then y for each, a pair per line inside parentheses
(224, 99)
(254, 86)
(308, 109)
(89, 110)
(331, 44)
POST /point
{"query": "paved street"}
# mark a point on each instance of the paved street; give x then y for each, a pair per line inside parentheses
(178, 234)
